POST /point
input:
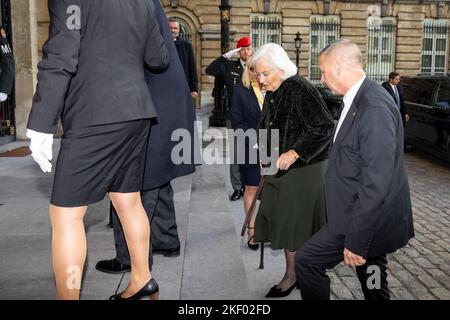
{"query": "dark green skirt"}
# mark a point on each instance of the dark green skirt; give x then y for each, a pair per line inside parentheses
(292, 207)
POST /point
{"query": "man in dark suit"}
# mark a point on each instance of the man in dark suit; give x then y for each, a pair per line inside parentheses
(187, 58)
(230, 71)
(396, 91)
(7, 67)
(367, 194)
(173, 104)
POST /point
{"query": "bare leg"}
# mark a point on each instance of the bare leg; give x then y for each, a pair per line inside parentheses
(68, 250)
(249, 194)
(136, 228)
(289, 277)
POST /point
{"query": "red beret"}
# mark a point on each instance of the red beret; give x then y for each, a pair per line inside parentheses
(244, 42)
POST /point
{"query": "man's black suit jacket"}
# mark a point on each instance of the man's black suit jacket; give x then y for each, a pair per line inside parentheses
(388, 87)
(186, 54)
(366, 187)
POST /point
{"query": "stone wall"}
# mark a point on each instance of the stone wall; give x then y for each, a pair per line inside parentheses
(296, 18)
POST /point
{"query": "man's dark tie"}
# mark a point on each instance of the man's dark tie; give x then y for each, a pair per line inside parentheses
(397, 97)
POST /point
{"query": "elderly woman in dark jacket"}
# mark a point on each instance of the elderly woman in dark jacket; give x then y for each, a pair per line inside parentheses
(292, 202)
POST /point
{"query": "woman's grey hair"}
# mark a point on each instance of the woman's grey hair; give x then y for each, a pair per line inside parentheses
(277, 58)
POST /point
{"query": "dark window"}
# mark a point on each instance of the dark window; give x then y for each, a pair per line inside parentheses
(419, 90)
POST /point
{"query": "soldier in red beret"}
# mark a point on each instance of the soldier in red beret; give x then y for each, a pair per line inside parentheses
(230, 72)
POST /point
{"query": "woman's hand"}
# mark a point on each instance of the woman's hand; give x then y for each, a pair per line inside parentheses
(287, 159)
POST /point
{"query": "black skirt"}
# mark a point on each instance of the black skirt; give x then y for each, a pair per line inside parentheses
(96, 160)
(250, 174)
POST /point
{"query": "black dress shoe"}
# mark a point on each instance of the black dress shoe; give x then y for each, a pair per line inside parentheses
(237, 194)
(112, 266)
(275, 292)
(151, 289)
(168, 253)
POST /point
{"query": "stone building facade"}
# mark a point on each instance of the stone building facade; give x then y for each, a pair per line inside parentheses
(391, 34)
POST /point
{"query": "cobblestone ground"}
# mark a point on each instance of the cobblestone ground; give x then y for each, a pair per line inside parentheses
(421, 270)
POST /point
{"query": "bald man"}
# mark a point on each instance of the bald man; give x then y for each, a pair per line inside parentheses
(367, 194)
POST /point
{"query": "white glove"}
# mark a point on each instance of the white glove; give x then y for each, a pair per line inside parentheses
(230, 54)
(3, 96)
(41, 148)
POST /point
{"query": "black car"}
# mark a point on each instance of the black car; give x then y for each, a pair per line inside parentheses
(427, 99)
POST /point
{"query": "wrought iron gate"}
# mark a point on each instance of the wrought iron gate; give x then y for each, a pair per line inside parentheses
(7, 121)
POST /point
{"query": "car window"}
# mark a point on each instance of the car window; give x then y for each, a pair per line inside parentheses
(443, 100)
(419, 90)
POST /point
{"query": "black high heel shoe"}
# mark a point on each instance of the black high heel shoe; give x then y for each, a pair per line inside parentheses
(253, 246)
(275, 292)
(151, 289)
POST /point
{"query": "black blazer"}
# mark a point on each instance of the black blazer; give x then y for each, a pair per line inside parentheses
(173, 104)
(366, 187)
(92, 71)
(186, 54)
(245, 114)
(388, 87)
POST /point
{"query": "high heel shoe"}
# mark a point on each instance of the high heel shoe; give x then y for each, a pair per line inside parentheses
(275, 292)
(151, 289)
(253, 246)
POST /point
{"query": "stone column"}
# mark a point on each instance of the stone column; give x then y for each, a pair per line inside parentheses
(24, 27)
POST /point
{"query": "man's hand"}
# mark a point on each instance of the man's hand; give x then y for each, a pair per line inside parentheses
(286, 160)
(194, 95)
(406, 118)
(41, 148)
(230, 54)
(352, 259)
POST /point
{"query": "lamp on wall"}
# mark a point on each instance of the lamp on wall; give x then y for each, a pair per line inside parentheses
(298, 44)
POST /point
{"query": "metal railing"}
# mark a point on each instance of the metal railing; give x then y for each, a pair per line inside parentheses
(435, 46)
(324, 30)
(380, 48)
(265, 29)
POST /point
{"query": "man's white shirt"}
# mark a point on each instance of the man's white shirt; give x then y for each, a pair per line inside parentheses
(348, 100)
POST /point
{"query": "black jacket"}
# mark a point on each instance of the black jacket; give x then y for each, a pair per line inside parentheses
(173, 104)
(366, 187)
(403, 109)
(7, 66)
(87, 75)
(245, 114)
(300, 114)
(230, 71)
(186, 54)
